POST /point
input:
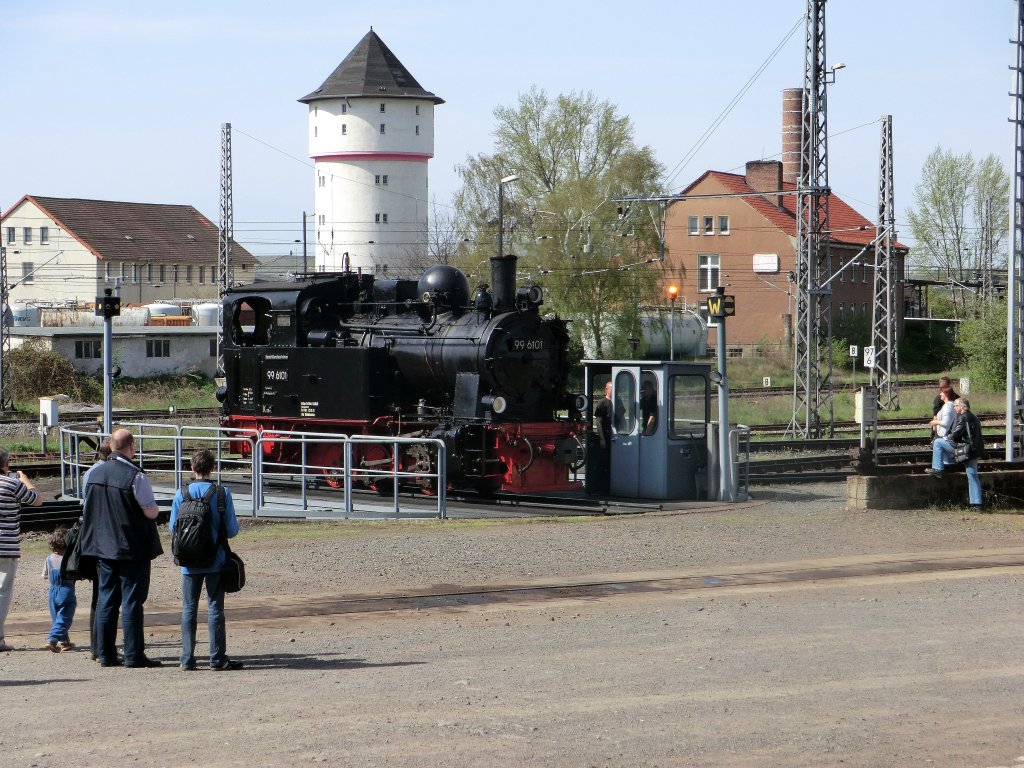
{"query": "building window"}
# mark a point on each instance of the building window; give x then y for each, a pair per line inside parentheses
(376, 218)
(707, 271)
(188, 273)
(382, 128)
(344, 129)
(693, 225)
(864, 264)
(864, 310)
(135, 273)
(106, 272)
(385, 218)
(44, 235)
(417, 109)
(842, 312)
(174, 273)
(88, 349)
(10, 235)
(163, 274)
(149, 273)
(316, 131)
(202, 274)
(158, 347)
(323, 219)
(27, 273)
(26, 233)
(382, 109)
(709, 225)
(723, 225)
(124, 268)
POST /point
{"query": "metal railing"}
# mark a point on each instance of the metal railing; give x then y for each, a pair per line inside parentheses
(163, 450)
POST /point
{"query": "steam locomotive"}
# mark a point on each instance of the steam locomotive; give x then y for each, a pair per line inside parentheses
(351, 354)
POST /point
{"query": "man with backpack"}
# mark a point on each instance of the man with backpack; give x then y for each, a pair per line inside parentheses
(201, 520)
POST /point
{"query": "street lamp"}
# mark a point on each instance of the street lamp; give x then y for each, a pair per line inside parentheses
(501, 212)
(673, 294)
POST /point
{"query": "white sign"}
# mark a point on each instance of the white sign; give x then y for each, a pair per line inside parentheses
(853, 350)
(965, 385)
(869, 357)
(766, 381)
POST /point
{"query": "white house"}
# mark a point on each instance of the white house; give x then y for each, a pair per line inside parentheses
(371, 134)
(67, 250)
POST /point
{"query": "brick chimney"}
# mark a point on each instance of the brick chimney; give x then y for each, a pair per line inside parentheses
(792, 114)
(765, 176)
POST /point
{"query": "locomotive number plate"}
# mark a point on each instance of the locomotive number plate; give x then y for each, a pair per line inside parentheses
(274, 375)
(527, 344)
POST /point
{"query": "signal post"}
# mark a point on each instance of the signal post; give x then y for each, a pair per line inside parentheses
(720, 307)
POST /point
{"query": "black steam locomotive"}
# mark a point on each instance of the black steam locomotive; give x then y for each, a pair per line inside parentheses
(351, 354)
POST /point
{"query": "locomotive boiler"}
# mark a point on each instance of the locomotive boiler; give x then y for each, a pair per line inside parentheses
(352, 354)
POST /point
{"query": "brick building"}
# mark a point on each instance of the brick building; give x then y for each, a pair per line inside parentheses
(739, 231)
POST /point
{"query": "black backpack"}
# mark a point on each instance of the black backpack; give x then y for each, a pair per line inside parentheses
(192, 541)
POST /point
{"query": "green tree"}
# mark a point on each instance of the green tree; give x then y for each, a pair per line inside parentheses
(983, 343)
(960, 221)
(573, 154)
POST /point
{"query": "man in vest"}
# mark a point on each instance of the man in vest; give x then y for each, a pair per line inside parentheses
(119, 530)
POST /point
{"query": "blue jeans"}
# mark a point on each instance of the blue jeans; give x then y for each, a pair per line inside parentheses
(191, 586)
(62, 601)
(124, 586)
(942, 454)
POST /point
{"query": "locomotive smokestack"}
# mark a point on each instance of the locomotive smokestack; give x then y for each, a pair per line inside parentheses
(503, 280)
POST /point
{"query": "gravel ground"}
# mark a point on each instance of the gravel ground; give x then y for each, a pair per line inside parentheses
(921, 670)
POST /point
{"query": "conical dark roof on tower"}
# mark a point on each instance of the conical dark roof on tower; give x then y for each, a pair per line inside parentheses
(371, 69)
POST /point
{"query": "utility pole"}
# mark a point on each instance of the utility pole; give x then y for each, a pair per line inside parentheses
(884, 312)
(1015, 263)
(812, 365)
(6, 369)
(225, 269)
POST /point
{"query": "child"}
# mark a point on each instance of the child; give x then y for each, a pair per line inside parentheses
(62, 595)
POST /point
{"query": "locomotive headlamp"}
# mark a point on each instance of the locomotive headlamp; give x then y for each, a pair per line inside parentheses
(530, 294)
(494, 403)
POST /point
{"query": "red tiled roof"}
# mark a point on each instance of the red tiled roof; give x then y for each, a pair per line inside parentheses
(139, 232)
(846, 224)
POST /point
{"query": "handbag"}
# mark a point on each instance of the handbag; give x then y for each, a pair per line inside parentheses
(232, 573)
(962, 451)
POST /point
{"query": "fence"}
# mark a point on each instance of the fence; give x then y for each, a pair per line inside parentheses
(163, 450)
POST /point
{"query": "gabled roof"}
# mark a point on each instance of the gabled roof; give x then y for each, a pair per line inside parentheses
(371, 69)
(847, 226)
(138, 232)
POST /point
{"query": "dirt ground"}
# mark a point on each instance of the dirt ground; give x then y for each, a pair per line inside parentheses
(781, 632)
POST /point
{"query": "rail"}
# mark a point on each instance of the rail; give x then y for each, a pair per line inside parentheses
(158, 444)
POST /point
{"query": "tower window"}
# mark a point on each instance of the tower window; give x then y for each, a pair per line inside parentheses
(344, 129)
(382, 108)
(385, 177)
(382, 128)
(376, 179)
(417, 109)
(417, 130)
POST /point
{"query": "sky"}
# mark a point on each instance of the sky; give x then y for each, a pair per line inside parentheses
(125, 100)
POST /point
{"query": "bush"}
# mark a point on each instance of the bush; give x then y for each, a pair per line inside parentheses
(38, 372)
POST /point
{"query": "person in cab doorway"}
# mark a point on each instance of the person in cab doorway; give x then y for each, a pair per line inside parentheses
(119, 530)
(223, 520)
(648, 408)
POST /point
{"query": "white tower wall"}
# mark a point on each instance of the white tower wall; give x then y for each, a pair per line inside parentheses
(370, 182)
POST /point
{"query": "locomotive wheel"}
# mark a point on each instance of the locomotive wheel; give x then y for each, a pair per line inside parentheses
(334, 475)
